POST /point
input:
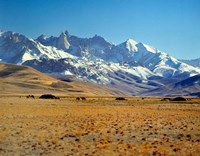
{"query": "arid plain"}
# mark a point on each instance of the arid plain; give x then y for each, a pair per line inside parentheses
(98, 126)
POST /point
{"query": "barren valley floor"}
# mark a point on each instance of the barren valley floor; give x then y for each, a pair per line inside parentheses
(98, 126)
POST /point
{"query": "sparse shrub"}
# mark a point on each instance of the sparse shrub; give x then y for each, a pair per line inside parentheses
(30, 96)
(78, 98)
(83, 98)
(179, 99)
(48, 96)
(120, 98)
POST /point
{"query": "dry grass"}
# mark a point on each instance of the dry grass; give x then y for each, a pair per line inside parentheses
(26, 80)
(98, 126)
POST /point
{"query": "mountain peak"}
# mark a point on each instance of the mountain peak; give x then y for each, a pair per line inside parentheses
(62, 34)
(13, 37)
(62, 42)
(130, 44)
(97, 36)
(131, 41)
(9, 33)
(131, 64)
(67, 33)
(100, 41)
(44, 37)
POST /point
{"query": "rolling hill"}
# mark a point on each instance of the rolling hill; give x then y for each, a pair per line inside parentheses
(18, 79)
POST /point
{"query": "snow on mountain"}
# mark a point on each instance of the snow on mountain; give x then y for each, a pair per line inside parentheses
(94, 47)
(63, 42)
(158, 62)
(125, 66)
(98, 71)
(16, 48)
(130, 44)
(194, 62)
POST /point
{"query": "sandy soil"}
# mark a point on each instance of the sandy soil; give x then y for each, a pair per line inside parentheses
(98, 126)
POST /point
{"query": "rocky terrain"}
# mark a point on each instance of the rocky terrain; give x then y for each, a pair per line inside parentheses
(132, 67)
(98, 126)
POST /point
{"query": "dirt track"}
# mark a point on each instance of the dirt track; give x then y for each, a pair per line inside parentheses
(98, 127)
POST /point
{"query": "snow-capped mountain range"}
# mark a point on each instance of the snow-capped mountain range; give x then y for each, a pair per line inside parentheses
(133, 67)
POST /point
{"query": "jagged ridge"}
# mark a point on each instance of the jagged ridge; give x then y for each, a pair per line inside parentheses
(131, 66)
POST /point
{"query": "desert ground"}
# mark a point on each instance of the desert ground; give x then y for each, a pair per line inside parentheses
(98, 126)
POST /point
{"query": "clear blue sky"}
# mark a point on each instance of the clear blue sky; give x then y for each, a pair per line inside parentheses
(172, 26)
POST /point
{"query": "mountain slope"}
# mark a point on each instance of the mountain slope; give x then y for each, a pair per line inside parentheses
(187, 87)
(158, 62)
(132, 67)
(17, 79)
(16, 48)
(130, 51)
(194, 62)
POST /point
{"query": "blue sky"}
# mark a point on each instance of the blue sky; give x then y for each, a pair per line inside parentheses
(172, 26)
